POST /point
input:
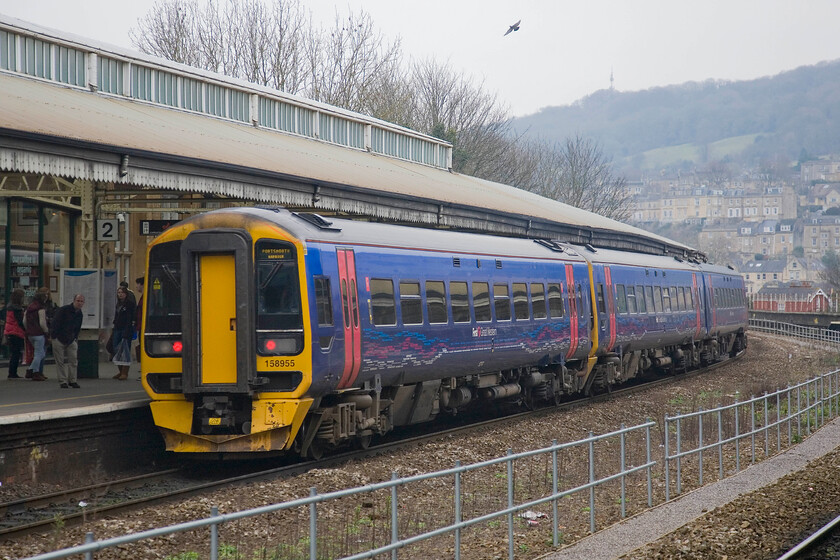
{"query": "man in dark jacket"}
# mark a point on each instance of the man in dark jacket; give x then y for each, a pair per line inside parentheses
(66, 325)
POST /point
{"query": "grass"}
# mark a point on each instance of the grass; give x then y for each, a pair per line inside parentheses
(672, 155)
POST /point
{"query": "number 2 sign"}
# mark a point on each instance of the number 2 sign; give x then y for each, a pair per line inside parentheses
(107, 230)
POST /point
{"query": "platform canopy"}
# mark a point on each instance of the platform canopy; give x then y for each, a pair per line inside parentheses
(105, 114)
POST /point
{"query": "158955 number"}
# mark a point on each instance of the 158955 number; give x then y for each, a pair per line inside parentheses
(281, 363)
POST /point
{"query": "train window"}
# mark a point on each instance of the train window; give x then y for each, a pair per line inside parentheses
(459, 299)
(354, 302)
(631, 299)
(599, 294)
(538, 301)
(555, 301)
(649, 299)
(657, 299)
(640, 299)
(323, 301)
(582, 309)
(666, 299)
(689, 298)
(383, 308)
(163, 304)
(278, 286)
(344, 305)
(436, 302)
(675, 302)
(620, 298)
(501, 301)
(520, 301)
(572, 301)
(681, 296)
(481, 301)
(410, 303)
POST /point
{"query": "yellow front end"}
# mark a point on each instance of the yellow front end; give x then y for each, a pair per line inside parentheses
(275, 416)
(274, 425)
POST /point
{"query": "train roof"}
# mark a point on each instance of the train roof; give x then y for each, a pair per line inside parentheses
(625, 258)
(312, 228)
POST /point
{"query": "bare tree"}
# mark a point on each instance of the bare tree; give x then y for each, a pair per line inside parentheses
(450, 106)
(352, 65)
(831, 273)
(577, 173)
(244, 39)
(346, 61)
(169, 31)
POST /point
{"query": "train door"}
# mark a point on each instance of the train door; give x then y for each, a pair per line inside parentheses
(218, 325)
(350, 317)
(698, 306)
(606, 324)
(574, 315)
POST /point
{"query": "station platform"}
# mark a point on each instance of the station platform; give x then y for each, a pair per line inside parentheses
(26, 401)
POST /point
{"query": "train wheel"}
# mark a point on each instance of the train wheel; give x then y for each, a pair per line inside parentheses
(316, 449)
(363, 442)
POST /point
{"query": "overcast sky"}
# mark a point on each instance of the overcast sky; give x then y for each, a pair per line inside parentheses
(564, 50)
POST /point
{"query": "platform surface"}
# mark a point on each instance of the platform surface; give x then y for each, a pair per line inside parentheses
(24, 400)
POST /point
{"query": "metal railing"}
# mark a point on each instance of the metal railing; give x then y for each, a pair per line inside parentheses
(601, 469)
(810, 334)
(775, 421)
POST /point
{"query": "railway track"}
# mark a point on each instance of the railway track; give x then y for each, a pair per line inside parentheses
(42, 513)
(823, 544)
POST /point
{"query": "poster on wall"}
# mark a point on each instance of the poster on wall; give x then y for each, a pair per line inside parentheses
(99, 288)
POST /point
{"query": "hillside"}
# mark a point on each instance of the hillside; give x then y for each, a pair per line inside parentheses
(785, 114)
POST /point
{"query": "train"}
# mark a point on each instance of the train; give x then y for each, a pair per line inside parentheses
(269, 331)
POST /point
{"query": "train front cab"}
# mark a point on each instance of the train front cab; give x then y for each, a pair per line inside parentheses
(226, 360)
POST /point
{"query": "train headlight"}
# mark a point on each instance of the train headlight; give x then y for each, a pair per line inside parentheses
(279, 345)
(164, 347)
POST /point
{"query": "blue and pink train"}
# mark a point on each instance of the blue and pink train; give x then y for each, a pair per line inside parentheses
(271, 331)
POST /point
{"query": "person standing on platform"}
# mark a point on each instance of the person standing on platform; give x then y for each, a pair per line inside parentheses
(66, 325)
(123, 333)
(35, 324)
(14, 332)
(131, 296)
(138, 315)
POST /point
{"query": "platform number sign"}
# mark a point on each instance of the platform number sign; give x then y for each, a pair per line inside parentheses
(107, 230)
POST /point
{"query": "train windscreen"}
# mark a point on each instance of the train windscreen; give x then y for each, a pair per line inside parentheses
(163, 303)
(279, 311)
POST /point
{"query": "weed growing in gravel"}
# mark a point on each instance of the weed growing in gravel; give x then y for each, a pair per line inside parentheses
(58, 529)
(184, 556)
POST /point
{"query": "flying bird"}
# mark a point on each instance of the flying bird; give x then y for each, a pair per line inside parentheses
(514, 27)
